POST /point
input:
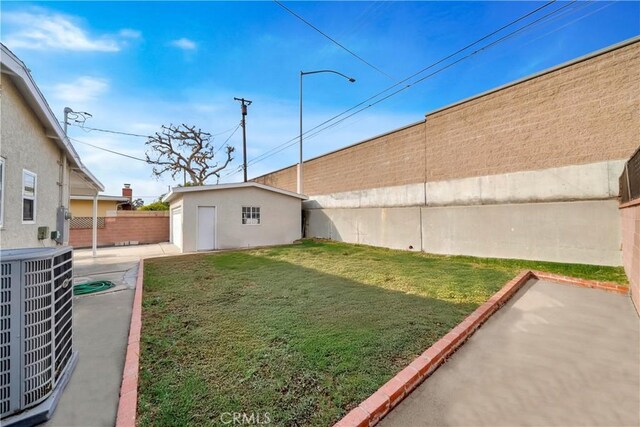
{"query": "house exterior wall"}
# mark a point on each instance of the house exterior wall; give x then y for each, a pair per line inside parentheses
(24, 145)
(552, 139)
(84, 208)
(280, 217)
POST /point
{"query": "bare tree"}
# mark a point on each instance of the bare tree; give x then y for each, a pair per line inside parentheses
(186, 149)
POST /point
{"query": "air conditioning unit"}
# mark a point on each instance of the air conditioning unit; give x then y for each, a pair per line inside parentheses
(36, 342)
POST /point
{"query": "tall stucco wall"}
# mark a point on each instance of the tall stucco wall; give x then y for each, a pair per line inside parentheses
(630, 221)
(280, 218)
(586, 112)
(575, 232)
(24, 145)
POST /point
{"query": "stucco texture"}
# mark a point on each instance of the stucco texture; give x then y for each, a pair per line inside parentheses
(24, 145)
(280, 217)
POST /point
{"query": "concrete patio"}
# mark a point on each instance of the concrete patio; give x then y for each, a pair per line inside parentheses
(555, 355)
(101, 328)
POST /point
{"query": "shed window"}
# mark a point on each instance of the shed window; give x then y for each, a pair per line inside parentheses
(29, 180)
(250, 215)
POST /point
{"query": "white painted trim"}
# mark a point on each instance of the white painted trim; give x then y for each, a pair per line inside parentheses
(172, 212)
(102, 198)
(252, 206)
(34, 197)
(182, 190)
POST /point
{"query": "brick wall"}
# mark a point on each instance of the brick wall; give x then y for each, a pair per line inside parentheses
(631, 247)
(582, 113)
(125, 227)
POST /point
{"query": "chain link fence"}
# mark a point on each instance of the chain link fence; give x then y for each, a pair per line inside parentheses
(630, 179)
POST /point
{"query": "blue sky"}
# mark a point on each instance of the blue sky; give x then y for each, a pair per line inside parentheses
(137, 65)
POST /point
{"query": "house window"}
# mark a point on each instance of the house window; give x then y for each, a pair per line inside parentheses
(1, 191)
(251, 215)
(29, 182)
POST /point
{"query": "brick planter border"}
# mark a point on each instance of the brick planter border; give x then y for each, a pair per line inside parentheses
(376, 406)
(127, 405)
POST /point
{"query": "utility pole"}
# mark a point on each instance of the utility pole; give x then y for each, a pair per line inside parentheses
(245, 103)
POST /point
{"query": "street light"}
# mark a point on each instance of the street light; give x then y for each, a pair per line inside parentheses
(304, 73)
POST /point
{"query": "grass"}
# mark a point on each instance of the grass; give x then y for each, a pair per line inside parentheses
(303, 332)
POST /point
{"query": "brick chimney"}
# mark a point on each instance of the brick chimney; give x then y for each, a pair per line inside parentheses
(127, 191)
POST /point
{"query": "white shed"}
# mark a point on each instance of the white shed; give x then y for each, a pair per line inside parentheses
(228, 216)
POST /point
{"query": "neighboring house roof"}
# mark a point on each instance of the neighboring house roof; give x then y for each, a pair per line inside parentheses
(102, 198)
(13, 67)
(175, 191)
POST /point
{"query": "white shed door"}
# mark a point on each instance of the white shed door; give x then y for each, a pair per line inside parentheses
(206, 228)
(176, 227)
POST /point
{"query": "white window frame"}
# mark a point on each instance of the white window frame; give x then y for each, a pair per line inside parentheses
(259, 215)
(34, 197)
(2, 177)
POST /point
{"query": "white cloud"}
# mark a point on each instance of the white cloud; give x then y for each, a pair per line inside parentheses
(129, 33)
(81, 90)
(40, 30)
(184, 44)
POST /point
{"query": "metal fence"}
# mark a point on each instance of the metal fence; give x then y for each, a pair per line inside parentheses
(630, 179)
(85, 222)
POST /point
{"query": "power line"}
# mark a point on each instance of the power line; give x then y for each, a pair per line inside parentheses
(110, 151)
(228, 138)
(332, 39)
(87, 128)
(292, 141)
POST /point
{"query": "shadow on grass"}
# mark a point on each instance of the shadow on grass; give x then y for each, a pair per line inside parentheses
(243, 332)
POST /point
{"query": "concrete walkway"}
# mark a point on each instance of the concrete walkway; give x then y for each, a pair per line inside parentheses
(101, 329)
(555, 355)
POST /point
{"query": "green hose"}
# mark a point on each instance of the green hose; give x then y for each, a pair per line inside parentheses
(91, 287)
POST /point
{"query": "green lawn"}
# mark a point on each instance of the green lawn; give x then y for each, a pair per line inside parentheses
(302, 332)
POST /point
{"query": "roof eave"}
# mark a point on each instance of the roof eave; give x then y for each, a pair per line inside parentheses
(13, 67)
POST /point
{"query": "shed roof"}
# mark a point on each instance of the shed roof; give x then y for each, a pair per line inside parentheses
(175, 191)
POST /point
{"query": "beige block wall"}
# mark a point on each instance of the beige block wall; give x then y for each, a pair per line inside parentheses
(24, 145)
(584, 113)
(587, 112)
(397, 157)
(281, 217)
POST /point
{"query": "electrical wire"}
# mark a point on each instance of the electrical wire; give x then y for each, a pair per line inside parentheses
(88, 129)
(110, 151)
(334, 41)
(228, 138)
(292, 141)
(289, 142)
